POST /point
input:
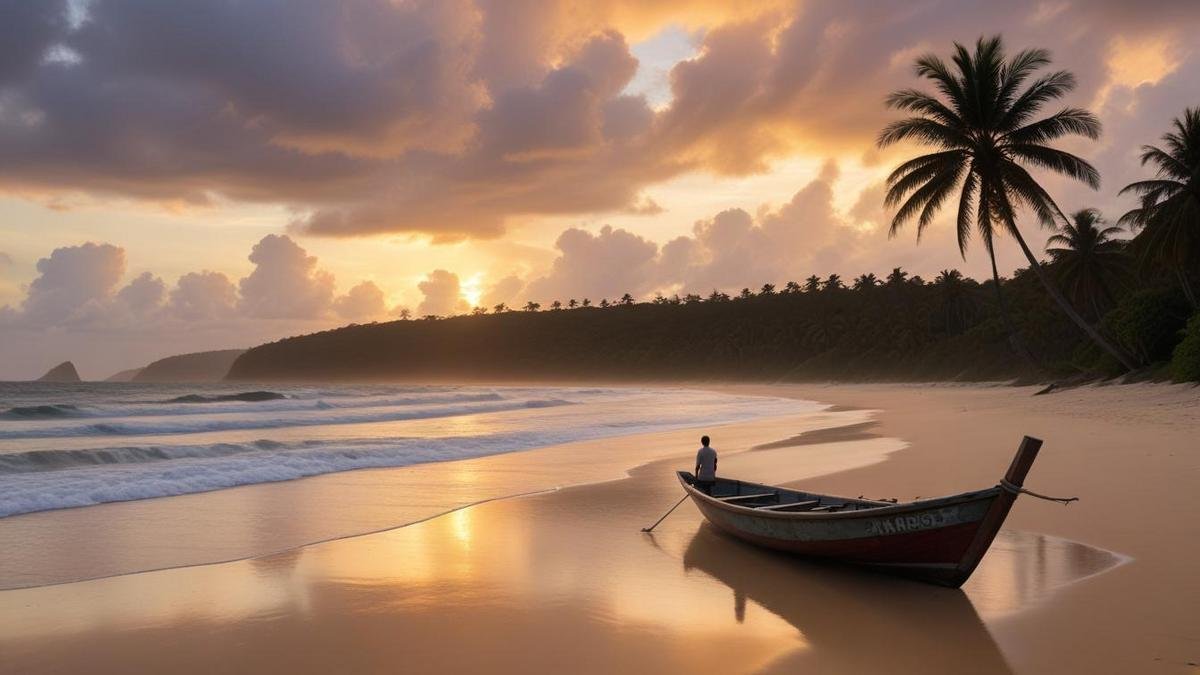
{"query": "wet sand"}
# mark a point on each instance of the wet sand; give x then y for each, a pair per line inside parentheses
(563, 579)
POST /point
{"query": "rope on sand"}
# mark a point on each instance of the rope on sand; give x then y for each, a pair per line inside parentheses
(1017, 489)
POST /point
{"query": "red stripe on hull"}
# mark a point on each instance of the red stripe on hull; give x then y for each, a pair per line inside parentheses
(945, 545)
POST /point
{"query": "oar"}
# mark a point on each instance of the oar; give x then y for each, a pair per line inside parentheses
(664, 516)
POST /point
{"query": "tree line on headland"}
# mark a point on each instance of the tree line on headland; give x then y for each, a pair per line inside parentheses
(1101, 305)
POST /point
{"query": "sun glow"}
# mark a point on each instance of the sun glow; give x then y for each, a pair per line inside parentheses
(472, 289)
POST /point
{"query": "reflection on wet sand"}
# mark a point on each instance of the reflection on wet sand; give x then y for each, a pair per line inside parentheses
(855, 621)
(851, 621)
(1023, 568)
(559, 581)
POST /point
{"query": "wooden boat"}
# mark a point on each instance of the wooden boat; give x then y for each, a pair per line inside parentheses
(937, 540)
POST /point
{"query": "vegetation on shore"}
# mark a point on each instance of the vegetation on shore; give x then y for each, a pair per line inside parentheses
(1100, 306)
(898, 328)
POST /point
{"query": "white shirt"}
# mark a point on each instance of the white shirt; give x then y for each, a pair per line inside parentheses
(707, 459)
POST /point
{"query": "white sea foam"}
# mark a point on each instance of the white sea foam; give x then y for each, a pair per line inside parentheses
(35, 476)
(260, 419)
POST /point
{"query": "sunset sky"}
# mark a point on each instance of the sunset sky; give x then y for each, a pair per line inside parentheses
(195, 174)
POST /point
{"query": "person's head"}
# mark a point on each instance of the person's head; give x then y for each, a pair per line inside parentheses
(704, 441)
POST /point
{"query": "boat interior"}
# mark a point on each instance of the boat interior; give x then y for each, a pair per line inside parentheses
(773, 498)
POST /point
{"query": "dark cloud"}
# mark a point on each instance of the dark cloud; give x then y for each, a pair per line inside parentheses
(453, 117)
(27, 32)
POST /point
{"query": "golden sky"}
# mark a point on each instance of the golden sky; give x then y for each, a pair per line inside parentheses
(251, 170)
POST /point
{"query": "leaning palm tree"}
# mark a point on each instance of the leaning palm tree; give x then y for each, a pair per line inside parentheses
(1169, 214)
(1087, 260)
(986, 137)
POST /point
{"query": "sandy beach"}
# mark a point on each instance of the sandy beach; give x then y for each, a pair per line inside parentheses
(563, 579)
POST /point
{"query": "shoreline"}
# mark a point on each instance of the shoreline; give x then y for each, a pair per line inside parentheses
(378, 495)
(481, 586)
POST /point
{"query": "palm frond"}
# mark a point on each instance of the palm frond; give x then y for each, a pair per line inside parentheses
(917, 201)
(966, 204)
(913, 100)
(1046, 88)
(925, 130)
(1168, 165)
(1058, 161)
(900, 187)
(1068, 121)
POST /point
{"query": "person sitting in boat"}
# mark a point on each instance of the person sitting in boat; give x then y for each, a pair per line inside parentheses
(706, 466)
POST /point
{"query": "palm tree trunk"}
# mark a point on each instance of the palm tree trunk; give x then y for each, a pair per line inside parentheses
(1066, 307)
(1014, 338)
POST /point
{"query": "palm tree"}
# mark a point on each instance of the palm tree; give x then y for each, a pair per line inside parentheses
(556, 305)
(500, 308)
(984, 130)
(572, 303)
(604, 302)
(405, 314)
(692, 298)
(955, 306)
(718, 296)
(1169, 215)
(833, 283)
(897, 277)
(791, 287)
(1087, 259)
(812, 284)
(865, 281)
(767, 289)
(627, 299)
(746, 294)
(586, 303)
(532, 306)
(477, 311)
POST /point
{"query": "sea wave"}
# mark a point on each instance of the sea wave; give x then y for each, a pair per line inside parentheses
(221, 404)
(25, 412)
(190, 424)
(75, 460)
(246, 396)
(222, 466)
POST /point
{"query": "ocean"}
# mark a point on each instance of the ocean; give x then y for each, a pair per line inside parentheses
(78, 445)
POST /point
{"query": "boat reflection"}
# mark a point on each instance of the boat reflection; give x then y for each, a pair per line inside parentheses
(851, 621)
(1024, 568)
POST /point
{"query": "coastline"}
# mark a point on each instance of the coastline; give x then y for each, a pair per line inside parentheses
(563, 579)
(261, 519)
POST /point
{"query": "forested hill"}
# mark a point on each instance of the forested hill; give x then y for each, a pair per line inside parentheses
(903, 330)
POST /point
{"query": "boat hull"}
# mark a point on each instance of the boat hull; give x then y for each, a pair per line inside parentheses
(930, 540)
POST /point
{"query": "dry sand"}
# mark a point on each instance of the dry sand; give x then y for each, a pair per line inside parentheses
(563, 580)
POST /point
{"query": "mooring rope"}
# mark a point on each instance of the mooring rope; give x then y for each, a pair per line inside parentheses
(1017, 489)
